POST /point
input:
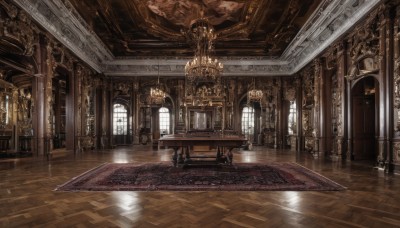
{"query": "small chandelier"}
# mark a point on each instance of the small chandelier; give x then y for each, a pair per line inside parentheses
(203, 67)
(254, 95)
(157, 95)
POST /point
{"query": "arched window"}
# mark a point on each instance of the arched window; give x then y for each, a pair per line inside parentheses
(248, 121)
(120, 120)
(164, 120)
(292, 118)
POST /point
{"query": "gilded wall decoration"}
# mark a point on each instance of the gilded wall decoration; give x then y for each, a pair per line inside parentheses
(308, 100)
(78, 77)
(122, 89)
(290, 94)
(308, 88)
(61, 57)
(88, 104)
(25, 105)
(6, 105)
(18, 26)
(48, 91)
(396, 77)
(86, 89)
(364, 49)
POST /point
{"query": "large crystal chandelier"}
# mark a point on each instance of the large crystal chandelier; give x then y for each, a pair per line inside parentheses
(157, 95)
(203, 67)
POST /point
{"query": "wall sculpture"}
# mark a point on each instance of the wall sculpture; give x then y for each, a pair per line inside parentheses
(364, 49)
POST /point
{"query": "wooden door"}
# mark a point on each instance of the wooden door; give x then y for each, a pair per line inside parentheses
(363, 127)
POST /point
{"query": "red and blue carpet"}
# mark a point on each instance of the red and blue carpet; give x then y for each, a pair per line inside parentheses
(165, 177)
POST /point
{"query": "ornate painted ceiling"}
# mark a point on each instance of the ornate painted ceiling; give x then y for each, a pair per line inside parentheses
(255, 37)
(154, 27)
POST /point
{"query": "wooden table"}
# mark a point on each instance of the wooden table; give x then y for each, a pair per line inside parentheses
(223, 144)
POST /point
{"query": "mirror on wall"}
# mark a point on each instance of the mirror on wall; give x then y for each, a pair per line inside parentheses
(201, 120)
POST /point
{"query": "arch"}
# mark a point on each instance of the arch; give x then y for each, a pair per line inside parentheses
(356, 80)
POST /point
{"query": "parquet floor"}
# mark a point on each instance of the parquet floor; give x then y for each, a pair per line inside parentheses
(27, 198)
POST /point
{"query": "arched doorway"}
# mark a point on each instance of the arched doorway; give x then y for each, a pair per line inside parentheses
(365, 103)
(120, 124)
(250, 121)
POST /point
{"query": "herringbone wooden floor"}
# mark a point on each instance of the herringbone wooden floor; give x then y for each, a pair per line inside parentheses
(27, 198)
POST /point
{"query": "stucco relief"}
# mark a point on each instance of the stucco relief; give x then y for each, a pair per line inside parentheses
(290, 94)
(18, 26)
(308, 88)
(122, 88)
(364, 49)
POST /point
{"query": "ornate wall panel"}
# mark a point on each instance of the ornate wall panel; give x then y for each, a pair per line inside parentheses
(396, 76)
(364, 49)
(307, 107)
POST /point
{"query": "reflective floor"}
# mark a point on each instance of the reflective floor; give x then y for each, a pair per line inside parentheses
(27, 198)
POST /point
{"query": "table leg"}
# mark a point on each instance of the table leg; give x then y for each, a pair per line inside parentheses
(180, 156)
(187, 155)
(175, 156)
(229, 156)
(218, 157)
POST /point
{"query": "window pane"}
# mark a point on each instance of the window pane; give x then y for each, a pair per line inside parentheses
(164, 120)
(292, 118)
(248, 121)
(120, 120)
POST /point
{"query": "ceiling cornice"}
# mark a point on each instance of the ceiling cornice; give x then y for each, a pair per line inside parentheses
(332, 19)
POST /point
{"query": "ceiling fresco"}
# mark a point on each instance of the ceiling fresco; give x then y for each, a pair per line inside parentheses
(255, 37)
(154, 27)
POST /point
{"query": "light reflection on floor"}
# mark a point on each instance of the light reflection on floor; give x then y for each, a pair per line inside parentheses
(120, 158)
(166, 157)
(248, 157)
(128, 201)
(293, 199)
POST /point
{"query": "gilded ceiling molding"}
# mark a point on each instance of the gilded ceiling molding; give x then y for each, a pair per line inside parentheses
(329, 22)
(63, 23)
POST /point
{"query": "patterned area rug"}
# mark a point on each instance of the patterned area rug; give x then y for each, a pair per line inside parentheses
(165, 177)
